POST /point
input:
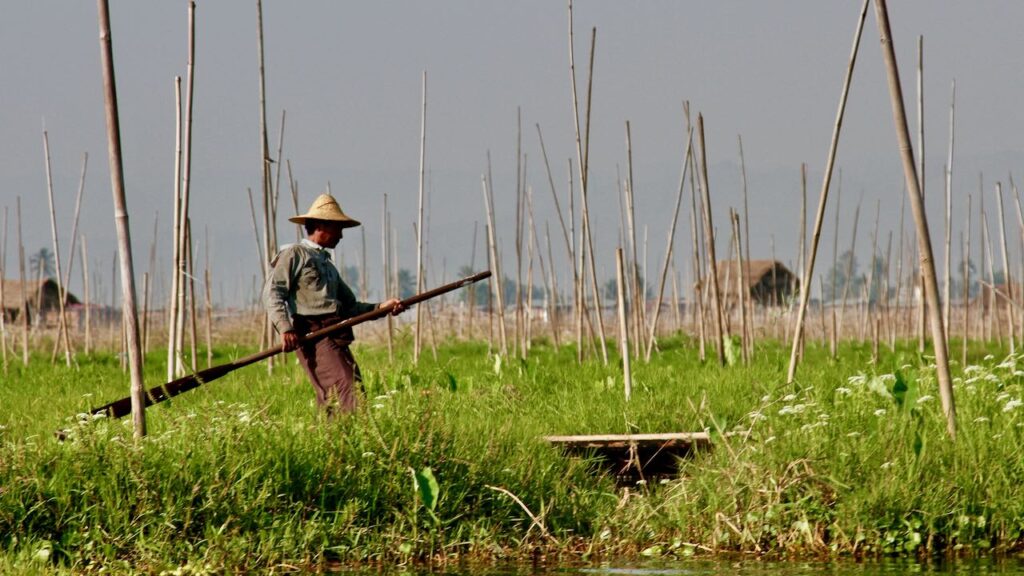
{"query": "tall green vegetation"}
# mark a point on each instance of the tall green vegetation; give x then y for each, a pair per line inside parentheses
(445, 460)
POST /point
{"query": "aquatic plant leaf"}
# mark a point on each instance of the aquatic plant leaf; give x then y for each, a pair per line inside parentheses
(427, 487)
(899, 390)
(453, 384)
(729, 345)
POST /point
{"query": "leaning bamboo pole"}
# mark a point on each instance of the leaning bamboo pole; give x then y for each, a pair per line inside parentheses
(709, 244)
(386, 275)
(121, 221)
(668, 250)
(62, 324)
(805, 282)
(66, 278)
(965, 250)
(749, 338)
(417, 338)
(519, 347)
(1007, 278)
(695, 236)
(920, 219)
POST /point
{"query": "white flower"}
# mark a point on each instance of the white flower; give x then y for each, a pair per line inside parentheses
(853, 434)
(858, 379)
(789, 397)
(989, 357)
(880, 412)
(99, 415)
(368, 454)
(925, 398)
(795, 409)
(769, 440)
(843, 391)
(756, 415)
(972, 369)
(1012, 405)
(887, 465)
(1002, 397)
(981, 419)
(766, 398)
(378, 406)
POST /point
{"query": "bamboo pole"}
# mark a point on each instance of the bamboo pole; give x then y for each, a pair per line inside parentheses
(920, 219)
(636, 289)
(66, 278)
(24, 292)
(668, 250)
(556, 336)
(518, 347)
(497, 287)
(1007, 278)
(627, 376)
(742, 289)
(417, 341)
(949, 209)
(749, 338)
(121, 220)
(871, 270)
(146, 292)
(986, 238)
(173, 359)
(62, 324)
(709, 244)
(386, 275)
(848, 274)
(965, 251)
(85, 295)
(3, 281)
(805, 282)
(695, 236)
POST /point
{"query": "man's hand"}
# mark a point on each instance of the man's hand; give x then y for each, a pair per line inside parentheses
(398, 308)
(289, 340)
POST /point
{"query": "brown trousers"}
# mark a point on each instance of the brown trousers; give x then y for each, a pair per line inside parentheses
(329, 364)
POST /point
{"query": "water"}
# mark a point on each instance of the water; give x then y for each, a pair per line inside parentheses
(1012, 565)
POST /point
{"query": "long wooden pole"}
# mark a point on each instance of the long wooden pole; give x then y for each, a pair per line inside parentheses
(85, 295)
(121, 221)
(812, 253)
(24, 292)
(906, 150)
(668, 249)
(173, 360)
(495, 266)
(966, 292)
(417, 341)
(709, 241)
(620, 283)
(66, 278)
(62, 324)
(947, 296)
(1007, 277)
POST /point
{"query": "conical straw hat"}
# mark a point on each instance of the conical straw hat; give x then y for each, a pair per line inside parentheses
(326, 208)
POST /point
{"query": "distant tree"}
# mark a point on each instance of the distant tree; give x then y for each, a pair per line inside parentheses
(844, 276)
(406, 283)
(42, 263)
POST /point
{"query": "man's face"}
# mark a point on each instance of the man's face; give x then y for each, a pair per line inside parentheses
(327, 234)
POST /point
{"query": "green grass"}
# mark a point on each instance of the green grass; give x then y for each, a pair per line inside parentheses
(443, 461)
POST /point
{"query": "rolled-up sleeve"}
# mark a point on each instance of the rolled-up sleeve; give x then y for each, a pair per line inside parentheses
(279, 288)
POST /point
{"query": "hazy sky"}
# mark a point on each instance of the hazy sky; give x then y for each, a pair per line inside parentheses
(348, 74)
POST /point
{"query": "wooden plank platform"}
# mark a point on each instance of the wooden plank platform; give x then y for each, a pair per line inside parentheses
(633, 457)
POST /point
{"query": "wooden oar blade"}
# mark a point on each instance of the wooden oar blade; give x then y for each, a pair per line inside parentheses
(157, 394)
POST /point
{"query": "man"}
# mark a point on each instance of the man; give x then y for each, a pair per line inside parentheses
(305, 292)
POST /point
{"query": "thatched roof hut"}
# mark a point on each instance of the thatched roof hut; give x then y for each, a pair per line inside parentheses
(42, 295)
(768, 282)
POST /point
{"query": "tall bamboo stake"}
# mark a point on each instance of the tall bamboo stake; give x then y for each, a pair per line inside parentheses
(1007, 278)
(553, 303)
(620, 282)
(121, 220)
(634, 272)
(811, 255)
(749, 338)
(56, 254)
(668, 249)
(66, 278)
(386, 275)
(965, 253)
(269, 224)
(871, 270)
(152, 269)
(920, 219)
(742, 288)
(519, 328)
(849, 269)
(921, 317)
(24, 292)
(949, 207)
(85, 295)
(695, 236)
(417, 341)
(709, 243)
(497, 287)
(3, 281)
(173, 359)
